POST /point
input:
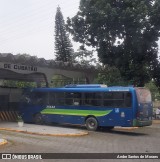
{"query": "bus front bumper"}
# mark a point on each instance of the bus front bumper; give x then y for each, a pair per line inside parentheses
(139, 123)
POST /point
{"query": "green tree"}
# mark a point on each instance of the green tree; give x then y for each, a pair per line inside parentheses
(84, 56)
(18, 84)
(59, 81)
(110, 76)
(154, 90)
(63, 47)
(125, 34)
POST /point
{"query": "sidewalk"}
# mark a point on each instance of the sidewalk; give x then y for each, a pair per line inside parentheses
(50, 130)
(42, 129)
(3, 142)
(156, 121)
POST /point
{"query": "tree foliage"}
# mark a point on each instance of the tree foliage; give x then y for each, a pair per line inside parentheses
(18, 84)
(60, 80)
(84, 56)
(125, 34)
(63, 47)
(153, 89)
(110, 76)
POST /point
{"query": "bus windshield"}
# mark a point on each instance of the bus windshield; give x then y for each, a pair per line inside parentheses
(143, 95)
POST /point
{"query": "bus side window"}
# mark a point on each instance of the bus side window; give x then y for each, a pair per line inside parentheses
(88, 97)
(77, 99)
(39, 98)
(108, 99)
(119, 99)
(52, 98)
(97, 100)
(69, 98)
(128, 100)
(93, 99)
(114, 99)
(73, 98)
(59, 98)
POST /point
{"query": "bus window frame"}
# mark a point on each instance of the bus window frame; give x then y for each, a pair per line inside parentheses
(93, 99)
(124, 100)
(76, 100)
(82, 99)
(45, 100)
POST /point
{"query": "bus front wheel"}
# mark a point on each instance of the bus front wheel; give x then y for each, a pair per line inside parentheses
(38, 119)
(91, 124)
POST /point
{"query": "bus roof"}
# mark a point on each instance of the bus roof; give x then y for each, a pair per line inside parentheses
(85, 86)
(85, 89)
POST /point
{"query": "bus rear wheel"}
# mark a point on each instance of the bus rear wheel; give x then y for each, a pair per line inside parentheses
(91, 124)
(38, 119)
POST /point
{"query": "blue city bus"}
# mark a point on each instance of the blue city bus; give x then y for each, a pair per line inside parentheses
(92, 105)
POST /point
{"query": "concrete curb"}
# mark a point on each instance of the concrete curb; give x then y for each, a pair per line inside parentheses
(125, 128)
(156, 121)
(48, 134)
(3, 142)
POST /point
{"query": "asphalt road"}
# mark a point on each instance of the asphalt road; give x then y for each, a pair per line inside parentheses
(141, 140)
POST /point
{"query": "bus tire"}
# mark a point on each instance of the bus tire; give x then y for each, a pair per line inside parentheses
(38, 119)
(91, 124)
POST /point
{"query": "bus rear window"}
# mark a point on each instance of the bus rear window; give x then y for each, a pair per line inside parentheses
(143, 95)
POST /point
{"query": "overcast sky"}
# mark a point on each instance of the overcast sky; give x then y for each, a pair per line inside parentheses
(27, 26)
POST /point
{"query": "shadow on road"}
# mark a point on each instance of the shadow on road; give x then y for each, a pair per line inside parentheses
(122, 132)
(103, 130)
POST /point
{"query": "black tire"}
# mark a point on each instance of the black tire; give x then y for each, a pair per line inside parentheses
(91, 124)
(38, 119)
